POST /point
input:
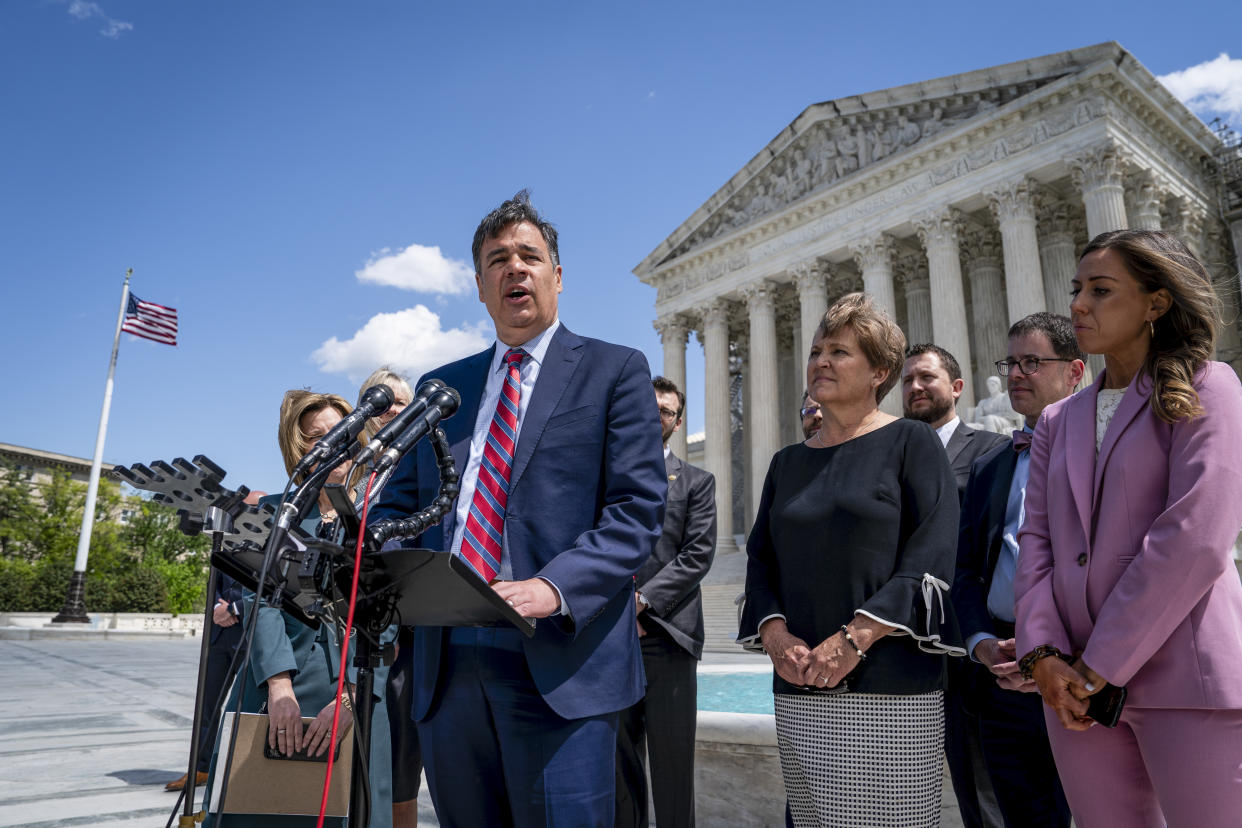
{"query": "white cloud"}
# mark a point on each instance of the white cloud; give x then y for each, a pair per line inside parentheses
(1213, 87)
(115, 29)
(409, 340)
(84, 10)
(418, 268)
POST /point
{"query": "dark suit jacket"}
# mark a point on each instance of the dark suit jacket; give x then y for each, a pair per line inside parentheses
(979, 537)
(230, 591)
(669, 579)
(965, 446)
(586, 502)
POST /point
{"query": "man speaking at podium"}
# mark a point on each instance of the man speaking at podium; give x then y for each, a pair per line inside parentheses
(562, 497)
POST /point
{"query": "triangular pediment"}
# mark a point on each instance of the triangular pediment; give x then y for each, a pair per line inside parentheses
(831, 142)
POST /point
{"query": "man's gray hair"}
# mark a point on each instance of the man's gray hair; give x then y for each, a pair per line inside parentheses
(514, 211)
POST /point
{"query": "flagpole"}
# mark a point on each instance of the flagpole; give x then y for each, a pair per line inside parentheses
(74, 611)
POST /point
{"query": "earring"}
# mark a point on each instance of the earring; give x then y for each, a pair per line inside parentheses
(1152, 326)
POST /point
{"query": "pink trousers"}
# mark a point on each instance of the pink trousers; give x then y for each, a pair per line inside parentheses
(1158, 767)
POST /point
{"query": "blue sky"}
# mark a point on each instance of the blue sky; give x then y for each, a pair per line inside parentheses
(250, 160)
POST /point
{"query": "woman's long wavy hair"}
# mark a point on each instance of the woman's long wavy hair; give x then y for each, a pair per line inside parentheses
(1185, 336)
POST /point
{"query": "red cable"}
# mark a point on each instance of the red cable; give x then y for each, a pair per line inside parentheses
(349, 626)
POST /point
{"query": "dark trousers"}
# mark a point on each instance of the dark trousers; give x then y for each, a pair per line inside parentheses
(963, 751)
(219, 656)
(1019, 759)
(497, 755)
(660, 726)
(407, 760)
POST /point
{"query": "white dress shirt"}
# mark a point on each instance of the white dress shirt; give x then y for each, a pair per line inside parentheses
(945, 432)
(536, 349)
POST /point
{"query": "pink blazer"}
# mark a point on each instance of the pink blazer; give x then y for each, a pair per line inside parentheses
(1126, 557)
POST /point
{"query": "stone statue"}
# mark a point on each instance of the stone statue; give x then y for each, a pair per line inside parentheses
(826, 168)
(994, 413)
(802, 173)
(934, 124)
(847, 155)
(907, 131)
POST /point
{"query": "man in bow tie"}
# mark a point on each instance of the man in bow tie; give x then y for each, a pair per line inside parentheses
(1044, 365)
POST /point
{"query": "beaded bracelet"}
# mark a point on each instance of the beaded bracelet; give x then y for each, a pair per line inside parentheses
(861, 655)
(1026, 666)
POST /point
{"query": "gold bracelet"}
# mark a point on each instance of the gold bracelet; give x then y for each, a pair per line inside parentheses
(344, 699)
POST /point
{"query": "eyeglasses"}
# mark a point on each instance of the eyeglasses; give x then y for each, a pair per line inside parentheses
(809, 411)
(1027, 365)
(668, 414)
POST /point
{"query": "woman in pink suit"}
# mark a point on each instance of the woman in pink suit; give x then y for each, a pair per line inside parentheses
(1124, 570)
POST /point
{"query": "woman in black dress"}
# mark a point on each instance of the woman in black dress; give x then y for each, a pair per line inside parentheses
(850, 560)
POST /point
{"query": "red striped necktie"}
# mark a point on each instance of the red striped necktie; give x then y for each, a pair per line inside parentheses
(485, 524)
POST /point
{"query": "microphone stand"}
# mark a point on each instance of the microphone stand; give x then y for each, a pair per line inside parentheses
(218, 523)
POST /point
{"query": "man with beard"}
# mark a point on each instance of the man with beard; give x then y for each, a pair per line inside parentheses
(931, 382)
(669, 604)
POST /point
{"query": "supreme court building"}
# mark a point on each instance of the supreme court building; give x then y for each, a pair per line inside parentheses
(959, 203)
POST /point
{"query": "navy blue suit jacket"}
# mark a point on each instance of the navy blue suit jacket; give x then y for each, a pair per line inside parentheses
(980, 534)
(585, 510)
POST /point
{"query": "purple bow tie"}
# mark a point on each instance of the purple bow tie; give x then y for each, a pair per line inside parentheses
(1022, 441)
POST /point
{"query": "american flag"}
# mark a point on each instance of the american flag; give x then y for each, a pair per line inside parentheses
(150, 321)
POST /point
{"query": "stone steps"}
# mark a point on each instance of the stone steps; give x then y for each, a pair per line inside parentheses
(720, 618)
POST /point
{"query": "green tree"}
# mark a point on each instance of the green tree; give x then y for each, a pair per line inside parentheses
(17, 512)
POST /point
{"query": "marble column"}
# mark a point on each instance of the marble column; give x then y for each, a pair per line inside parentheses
(874, 257)
(912, 273)
(1099, 173)
(717, 448)
(1148, 199)
(1058, 255)
(762, 392)
(937, 231)
(811, 281)
(1013, 206)
(673, 333)
(984, 255)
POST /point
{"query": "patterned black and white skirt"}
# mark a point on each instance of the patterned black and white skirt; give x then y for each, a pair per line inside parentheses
(858, 760)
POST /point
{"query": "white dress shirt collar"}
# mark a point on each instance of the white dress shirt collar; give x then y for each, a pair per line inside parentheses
(536, 347)
(945, 432)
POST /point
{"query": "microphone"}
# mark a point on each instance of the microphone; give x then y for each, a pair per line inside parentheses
(442, 404)
(400, 423)
(375, 401)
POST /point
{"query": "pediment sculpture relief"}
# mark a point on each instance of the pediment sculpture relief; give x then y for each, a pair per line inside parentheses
(831, 150)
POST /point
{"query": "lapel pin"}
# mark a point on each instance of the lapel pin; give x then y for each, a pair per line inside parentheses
(671, 478)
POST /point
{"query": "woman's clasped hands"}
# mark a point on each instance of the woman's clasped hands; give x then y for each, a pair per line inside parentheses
(824, 666)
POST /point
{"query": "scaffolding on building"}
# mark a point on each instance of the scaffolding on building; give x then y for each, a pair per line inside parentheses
(1228, 165)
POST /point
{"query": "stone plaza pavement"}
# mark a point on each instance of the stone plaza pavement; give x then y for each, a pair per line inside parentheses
(91, 730)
